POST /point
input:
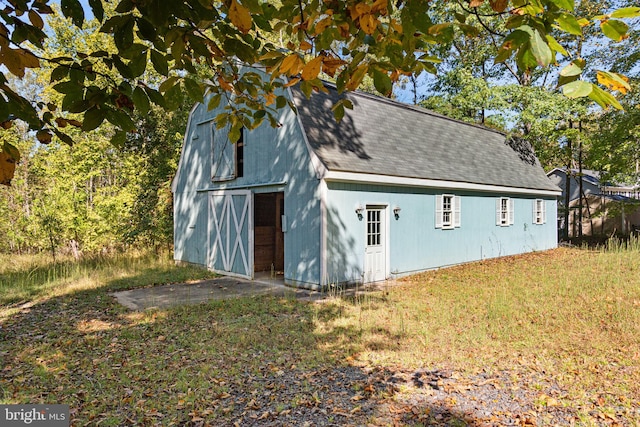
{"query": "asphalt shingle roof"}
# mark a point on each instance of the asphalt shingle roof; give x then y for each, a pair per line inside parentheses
(380, 136)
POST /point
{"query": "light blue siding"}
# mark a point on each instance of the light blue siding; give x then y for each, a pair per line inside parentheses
(274, 160)
(278, 160)
(190, 227)
(415, 243)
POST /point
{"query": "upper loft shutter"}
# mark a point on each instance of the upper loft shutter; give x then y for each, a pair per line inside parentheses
(535, 212)
(439, 211)
(222, 156)
(456, 211)
(544, 211)
(499, 211)
(511, 211)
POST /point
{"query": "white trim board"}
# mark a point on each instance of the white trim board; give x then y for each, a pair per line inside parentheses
(364, 178)
(324, 279)
(222, 188)
(174, 183)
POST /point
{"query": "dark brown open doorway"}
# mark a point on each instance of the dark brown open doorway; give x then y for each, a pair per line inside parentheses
(269, 238)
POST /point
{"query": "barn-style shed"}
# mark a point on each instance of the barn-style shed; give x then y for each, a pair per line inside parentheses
(390, 190)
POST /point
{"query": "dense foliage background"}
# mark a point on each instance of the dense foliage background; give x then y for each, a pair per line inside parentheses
(110, 189)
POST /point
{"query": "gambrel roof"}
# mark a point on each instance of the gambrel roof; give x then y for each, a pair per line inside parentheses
(383, 137)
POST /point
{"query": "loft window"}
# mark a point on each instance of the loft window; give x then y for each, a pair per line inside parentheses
(240, 155)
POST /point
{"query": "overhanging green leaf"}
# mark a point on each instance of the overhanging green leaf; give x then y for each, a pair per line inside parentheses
(93, 118)
(604, 99)
(614, 29)
(569, 24)
(123, 36)
(573, 69)
(63, 137)
(565, 4)
(540, 49)
(173, 97)
(12, 151)
(214, 101)
(121, 119)
(577, 89)
(97, 9)
(119, 139)
(159, 62)
(554, 45)
(194, 89)
(382, 82)
(73, 9)
(626, 12)
(141, 100)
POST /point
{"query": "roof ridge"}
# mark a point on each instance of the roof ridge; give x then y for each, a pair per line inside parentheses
(412, 107)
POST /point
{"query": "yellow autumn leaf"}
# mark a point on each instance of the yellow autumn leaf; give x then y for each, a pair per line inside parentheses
(368, 23)
(323, 24)
(358, 10)
(291, 65)
(476, 3)
(362, 8)
(614, 81)
(44, 136)
(331, 64)
(396, 26)
(269, 98)
(35, 19)
(240, 16)
(305, 45)
(7, 168)
(357, 76)
(4, 37)
(312, 69)
(344, 30)
(292, 82)
(11, 60)
(380, 6)
(225, 84)
(28, 59)
(498, 5)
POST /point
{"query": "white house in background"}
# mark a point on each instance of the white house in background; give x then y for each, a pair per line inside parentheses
(607, 208)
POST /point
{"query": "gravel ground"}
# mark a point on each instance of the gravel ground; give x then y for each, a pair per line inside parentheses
(351, 396)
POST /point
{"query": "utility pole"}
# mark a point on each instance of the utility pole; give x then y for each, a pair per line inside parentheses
(567, 189)
(580, 177)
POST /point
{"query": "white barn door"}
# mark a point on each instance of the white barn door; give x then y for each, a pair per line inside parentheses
(375, 257)
(231, 232)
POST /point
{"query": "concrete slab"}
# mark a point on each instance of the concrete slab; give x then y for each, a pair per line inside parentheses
(215, 289)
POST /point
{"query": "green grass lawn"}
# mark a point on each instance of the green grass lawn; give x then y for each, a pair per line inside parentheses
(567, 317)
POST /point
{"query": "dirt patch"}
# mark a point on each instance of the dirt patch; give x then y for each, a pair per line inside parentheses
(351, 396)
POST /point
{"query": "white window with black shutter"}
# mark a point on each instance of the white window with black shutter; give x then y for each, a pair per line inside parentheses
(539, 211)
(447, 211)
(505, 208)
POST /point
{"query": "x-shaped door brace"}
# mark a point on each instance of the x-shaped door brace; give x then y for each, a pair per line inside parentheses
(228, 253)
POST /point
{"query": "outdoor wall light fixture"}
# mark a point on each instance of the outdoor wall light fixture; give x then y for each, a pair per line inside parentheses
(396, 211)
(359, 210)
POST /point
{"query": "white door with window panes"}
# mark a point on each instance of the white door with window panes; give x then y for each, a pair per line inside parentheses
(375, 260)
